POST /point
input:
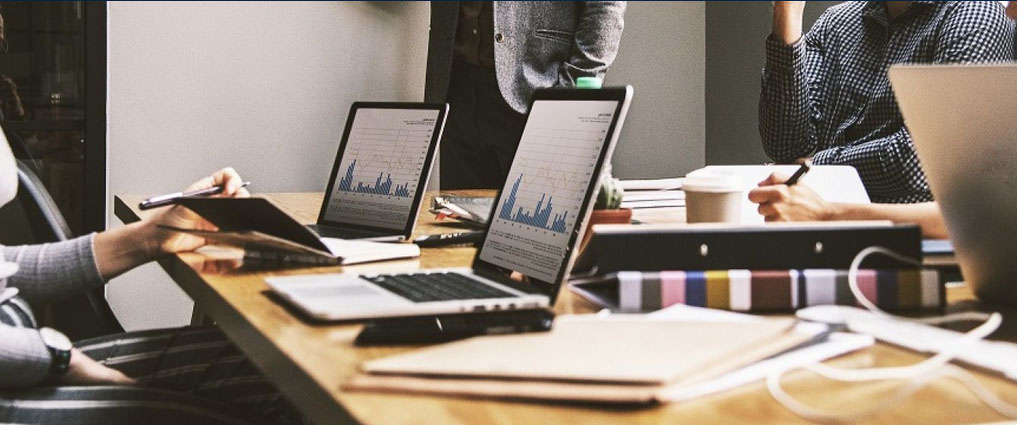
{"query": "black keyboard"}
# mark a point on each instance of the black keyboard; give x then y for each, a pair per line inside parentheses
(425, 287)
(336, 232)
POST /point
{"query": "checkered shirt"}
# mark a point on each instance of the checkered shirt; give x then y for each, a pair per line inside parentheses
(828, 95)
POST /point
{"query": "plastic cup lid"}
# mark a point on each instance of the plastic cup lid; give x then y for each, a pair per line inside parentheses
(705, 181)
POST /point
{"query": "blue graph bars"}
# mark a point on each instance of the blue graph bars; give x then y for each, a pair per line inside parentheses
(538, 218)
(379, 188)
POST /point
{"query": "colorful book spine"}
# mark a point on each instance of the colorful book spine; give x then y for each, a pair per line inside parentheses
(778, 290)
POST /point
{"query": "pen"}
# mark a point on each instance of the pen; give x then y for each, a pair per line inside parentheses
(447, 239)
(800, 173)
(158, 201)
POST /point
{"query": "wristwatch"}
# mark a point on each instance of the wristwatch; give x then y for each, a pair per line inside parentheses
(59, 350)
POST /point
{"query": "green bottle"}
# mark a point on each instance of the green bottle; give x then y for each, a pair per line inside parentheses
(588, 83)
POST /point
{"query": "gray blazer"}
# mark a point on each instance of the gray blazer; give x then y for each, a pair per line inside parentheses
(542, 44)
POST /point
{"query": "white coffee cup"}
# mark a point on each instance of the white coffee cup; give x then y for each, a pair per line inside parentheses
(712, 197)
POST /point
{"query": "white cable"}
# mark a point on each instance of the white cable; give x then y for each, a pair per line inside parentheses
(915, 376)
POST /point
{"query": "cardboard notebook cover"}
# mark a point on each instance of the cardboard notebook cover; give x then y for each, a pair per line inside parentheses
(626, 361)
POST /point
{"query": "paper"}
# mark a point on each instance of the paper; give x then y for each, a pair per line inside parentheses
(652, 184)
(837, 345)
(357, 251)
(653, 195)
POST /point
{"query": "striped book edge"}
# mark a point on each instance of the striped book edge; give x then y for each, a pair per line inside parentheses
(778, 290)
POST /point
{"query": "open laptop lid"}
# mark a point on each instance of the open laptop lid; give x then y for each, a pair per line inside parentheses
(381, 169)
(542, 209)
(962, 120)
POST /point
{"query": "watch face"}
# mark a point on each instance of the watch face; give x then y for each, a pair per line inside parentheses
(55, 340)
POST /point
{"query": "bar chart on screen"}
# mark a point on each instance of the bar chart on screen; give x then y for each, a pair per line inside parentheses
(382, 162)
(548, 182)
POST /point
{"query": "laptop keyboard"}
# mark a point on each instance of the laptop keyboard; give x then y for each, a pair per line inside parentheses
(425, 287)
(334, 232)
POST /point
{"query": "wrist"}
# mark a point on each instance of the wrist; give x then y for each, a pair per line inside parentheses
(150, 238)
(836, 211)
(787, 24)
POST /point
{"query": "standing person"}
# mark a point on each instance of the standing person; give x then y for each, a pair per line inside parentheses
(487, 58)
(827, 95)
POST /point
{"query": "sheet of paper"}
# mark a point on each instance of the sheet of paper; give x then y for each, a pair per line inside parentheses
(652, 184)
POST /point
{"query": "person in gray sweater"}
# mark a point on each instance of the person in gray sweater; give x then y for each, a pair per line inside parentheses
(185, 375)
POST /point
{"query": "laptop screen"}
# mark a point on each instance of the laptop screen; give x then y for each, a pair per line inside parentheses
(382, 161)
(542, 202)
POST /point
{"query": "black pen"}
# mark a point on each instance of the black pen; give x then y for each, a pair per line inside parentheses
(158, 201)
(447, 239)
(806, 165)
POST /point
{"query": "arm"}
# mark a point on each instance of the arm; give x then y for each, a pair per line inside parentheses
(49, 271)
(778, 202)
(25, 361)
(975, 32)
(792, 85)
(882, 164)
(598, 32)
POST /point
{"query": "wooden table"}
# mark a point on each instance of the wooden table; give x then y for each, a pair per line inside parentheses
(309, 361)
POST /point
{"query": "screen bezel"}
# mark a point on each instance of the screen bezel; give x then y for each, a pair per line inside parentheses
(425, 174)
(532, 285)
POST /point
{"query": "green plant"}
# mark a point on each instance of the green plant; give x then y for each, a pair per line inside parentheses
(610, 195)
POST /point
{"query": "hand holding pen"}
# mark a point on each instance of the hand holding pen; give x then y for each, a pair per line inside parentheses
(172, 198)
(781, 198)
(223, 183)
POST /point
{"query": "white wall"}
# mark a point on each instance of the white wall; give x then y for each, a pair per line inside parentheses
(662, 55)
(262, 86)
(265, 87)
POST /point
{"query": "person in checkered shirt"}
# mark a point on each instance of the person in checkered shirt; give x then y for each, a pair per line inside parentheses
(827, 96)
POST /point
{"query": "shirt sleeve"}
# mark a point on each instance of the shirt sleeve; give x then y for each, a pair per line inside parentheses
(598, 33)
(51, 271)
(24, 358)
(790, 101)
(887, 166)
(976, 32)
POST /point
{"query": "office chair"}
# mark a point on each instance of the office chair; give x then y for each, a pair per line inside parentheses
(80, 316)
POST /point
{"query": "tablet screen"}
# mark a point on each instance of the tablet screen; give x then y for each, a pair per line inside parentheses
(377, 177)
(543, 198)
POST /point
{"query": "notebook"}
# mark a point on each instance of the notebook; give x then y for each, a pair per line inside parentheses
(267, 233)
(627, 361)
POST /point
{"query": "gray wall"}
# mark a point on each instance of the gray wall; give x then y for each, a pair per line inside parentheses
(735, 54)
(264, 87)
(662, 56)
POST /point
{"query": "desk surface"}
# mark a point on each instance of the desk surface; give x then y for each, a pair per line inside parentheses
(309, 361)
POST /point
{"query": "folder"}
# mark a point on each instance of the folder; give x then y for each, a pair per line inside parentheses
(618, 361)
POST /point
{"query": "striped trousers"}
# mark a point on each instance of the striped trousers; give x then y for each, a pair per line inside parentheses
(190, 375)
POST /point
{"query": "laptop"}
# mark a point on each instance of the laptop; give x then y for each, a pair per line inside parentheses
(539, 215)
(381, 170)
(963, 120)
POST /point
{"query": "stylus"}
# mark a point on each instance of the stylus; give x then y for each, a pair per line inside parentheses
(447, 239)
(158, 201)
